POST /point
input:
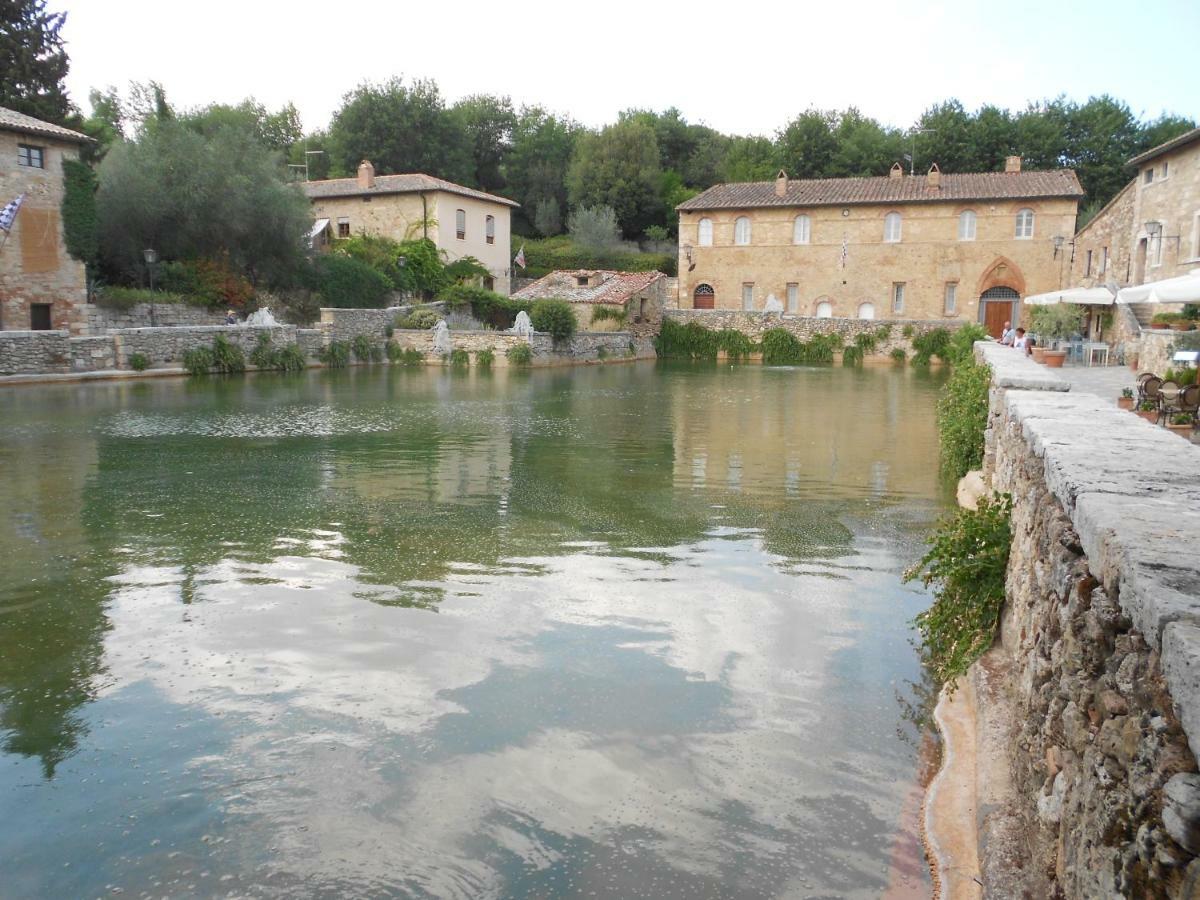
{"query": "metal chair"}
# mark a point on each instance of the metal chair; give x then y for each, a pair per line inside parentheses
(1169, 395)
(1147, 388)
(1189, 401)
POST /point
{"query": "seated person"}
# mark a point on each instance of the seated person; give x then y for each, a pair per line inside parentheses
(1007, 336)
(1020, 340)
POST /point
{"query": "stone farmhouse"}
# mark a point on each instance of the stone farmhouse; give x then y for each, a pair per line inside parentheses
(459, 220)
(41, 286)
(638, 297)
(958, 247)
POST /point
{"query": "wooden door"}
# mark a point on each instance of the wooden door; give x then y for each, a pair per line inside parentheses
(994, 317)
(704, 297)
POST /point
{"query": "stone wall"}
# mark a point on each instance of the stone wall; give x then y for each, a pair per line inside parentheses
(1155, 350)
(100, 319)
(166, 346)
(30, 352)
(592, 345)
(1099, 646)
(93, 354)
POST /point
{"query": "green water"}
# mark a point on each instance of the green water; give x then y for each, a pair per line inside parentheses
(620, 631)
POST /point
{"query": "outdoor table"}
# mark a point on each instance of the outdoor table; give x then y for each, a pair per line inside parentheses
(1092, 348)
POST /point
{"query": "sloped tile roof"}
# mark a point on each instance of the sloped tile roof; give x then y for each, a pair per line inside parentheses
(614, 287)
(395, 184)
(1175, 143)
(11, 120)
(884, 189)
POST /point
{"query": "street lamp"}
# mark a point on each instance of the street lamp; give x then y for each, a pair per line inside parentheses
(151, 257)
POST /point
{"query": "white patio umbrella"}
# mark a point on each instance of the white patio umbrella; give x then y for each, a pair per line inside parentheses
(1098, 296)
(1181, 289)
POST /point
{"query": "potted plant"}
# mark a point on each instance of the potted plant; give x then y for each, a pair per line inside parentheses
(1125, 401)
(1148, 410)
(1191, 314)
(1038, 352)
(1162, 320)
(1182, 424)
(1055, 323)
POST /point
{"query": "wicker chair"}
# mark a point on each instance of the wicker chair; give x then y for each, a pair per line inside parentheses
(1169, 396)
(1189, 401)
(1148, 388)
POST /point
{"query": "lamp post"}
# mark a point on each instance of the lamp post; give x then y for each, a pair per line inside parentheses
(151, 257)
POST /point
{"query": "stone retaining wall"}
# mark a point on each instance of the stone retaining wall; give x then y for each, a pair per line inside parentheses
(93, 354)
(1101, 644)
(1155, 350)
(100, 319)
(166, 346)
(28, 352)
(584, 346)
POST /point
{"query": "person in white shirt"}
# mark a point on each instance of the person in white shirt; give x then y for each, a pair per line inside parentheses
(1007, 336)
(1020, 342)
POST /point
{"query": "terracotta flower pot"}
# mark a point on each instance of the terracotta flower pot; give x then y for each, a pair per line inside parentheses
(1054, 359)
(1125, 402)
(1151, 416)
(1184, 431)
(1181, 326)
(1038, 354)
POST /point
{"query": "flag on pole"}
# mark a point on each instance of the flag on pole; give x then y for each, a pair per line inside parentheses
(520, 260)
(845, 251)
(9, 213)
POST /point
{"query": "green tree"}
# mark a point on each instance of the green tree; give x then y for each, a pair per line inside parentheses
(399, 128)
(312, 151)
(950, 141)
(535, 168)
(619, 167)
(993, 137)
(33, 60)
(1161, 130)
(277, 130)
(488, 123)
(807, 145)
(220, 196)
(106, 123)
(750, 159)
(864, 147)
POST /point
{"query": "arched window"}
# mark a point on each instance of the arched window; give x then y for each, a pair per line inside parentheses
(966, 225)
(866, 310)
(824, 309)
(1024, 224)
(741, 231)
(801, 230)
(704, 297)
(891, 227)
(705, 232)
(460, 224)
(489, 229)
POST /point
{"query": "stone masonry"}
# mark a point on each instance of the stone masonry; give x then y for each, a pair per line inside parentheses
(1099, 649)
(100, 319)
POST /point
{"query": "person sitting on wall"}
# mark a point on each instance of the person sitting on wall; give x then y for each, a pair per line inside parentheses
(1020, 341)
(1007, 336)
(231, 318)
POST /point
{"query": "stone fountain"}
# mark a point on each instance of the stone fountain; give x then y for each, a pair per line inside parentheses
(261, 317)
(442, 345)
(523, 326)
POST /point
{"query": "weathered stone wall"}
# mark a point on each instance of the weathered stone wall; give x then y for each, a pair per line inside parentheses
(166, 346)
(1102, 645)
(593, 345)
(29, 352)
(100, 319)
(1155, 349)
(93, 354)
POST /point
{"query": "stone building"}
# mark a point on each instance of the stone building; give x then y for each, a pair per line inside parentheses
(41, 286)
(639, 297)
(936, 246)
(459, 220)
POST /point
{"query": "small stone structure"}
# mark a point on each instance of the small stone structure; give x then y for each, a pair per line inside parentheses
(1099, 653)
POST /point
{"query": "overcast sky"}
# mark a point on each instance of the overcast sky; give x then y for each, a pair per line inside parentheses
(745, 66)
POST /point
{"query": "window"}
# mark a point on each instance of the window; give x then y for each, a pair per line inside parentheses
(1148, 176)
(489, 229)
(705, 232)
(747, 296)
(897, 296)
(891, 227)
(460, 224)
(866, 310)
(1166, 168)
(1103, 262)
(489, 283)
(34, 157)
(966, 225)
(1024, 223)
(950, 300)
(1156, 248)
(39, 316)
(801, 230)
(343, 228)
(1087, 266)
(741, 231)
(793, 297)
(824, 309)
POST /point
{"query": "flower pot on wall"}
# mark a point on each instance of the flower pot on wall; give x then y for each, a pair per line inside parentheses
(1150, 416)
(1054, 359)
(1038, 353)
(1184, 431)
(1125, 403)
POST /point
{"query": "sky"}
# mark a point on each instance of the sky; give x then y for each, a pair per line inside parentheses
(745, 67)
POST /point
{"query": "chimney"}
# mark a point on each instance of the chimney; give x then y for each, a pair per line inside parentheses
(781, 184)
(897, 171)
(366, 175)
(934, 178)
(1012, 164)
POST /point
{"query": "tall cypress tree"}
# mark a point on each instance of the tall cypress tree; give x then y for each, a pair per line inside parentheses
(33, 62)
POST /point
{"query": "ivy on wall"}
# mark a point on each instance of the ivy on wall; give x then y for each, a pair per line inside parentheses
(79, 210)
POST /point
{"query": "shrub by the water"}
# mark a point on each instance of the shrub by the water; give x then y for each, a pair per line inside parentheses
(615, 314)
(852, 355)
(335, 355)
(288, 358)
(962, 417)
(346, 282)
(602, 353)
(930, 344)
(694, 341)
(898, 354)
(420, 319)
(487, 306)
(555, 317)
(459, 359)
(962, 343)
(139, 362)
(366, 350)
(404, 357)
(520, 354)
(198, 360)
(485, 358)
(227, 358)
(966, 565)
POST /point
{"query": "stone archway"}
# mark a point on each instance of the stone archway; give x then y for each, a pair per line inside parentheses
(1000, 290)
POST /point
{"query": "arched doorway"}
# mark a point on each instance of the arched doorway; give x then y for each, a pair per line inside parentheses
(704, 297)
(998, 305)
(866, 310)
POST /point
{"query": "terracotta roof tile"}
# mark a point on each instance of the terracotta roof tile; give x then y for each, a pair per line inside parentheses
(883, 189)
(395, 184)
(614, 287)
(11, 120)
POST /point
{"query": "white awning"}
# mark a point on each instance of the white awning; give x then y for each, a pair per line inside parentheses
(1098, 296)
(318, 226)
(1182, 289)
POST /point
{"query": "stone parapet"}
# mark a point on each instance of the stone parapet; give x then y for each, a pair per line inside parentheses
(166, 346)
(29, 352)
(100, 319)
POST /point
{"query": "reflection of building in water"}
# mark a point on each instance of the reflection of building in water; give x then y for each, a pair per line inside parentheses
(868, 430)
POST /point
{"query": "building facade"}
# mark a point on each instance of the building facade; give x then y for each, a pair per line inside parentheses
(459, 220)
(937, 246)
(41, 286)
(1151, 230)
(637, 298)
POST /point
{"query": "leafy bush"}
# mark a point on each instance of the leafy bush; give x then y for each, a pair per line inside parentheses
(966, 563)
(554, 317)
(908, 331)
(602, 353)
(288, 358)
(930, 344)
(206, 283)
(122, 298)
(1181, 377)
(366, 350)
(404, 357)
(595, 228)
(615, 314)
(546, 255)
(962, 343)
(263, 354)
(781, 348)
(79, 211)
(139, 362)
(335, 354)
(1056, 321)
(883, 332)
(350, 283)
(459, 358)
(1183, 418)
(1191, 311)
(865, 342)
(694, 341)
(487, 306)
(227, 358)
(852, 355)
(485, 358)
(962, 417)
(1164, 318)
(520, 354)
(898, 354)
(198, 360)
(420, 319)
